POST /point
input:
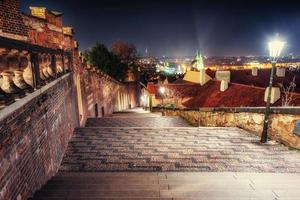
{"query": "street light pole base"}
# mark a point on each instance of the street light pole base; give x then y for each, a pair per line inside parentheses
(264, 136)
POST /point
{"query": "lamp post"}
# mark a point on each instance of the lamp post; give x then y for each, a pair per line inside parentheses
(162, 90)
(275, 48)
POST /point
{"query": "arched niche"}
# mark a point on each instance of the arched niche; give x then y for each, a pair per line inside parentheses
(43, 67)
(59, 64)
(67, 63)
(25, 65)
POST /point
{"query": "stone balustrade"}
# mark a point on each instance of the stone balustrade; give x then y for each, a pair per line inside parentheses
(22, 70)
(281, 126)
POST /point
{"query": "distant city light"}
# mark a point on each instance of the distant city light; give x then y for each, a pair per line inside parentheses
(254, 64)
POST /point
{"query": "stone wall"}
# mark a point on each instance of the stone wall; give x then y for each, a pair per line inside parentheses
(11, 23)
(37, 121)
(282, 120)
(34, 135)
(36, 129)
(46, 32)
(100, 93)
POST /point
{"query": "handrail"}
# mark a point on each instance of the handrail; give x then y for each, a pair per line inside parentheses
(21, 45)
(8, 110)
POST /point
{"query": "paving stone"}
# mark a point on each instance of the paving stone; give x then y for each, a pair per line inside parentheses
(198, 149)
(136, 122)
(158, 157)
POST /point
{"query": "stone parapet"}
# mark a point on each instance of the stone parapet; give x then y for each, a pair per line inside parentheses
(46, 90)
(281, 126)
(34, 135)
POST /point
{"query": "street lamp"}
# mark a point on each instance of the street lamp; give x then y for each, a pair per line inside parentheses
(162, 90)
(144, 100)
(275, 48)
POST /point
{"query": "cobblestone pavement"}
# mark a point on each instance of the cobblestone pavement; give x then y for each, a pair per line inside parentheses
(152, 161)
(135, 121)
(175, 149)
(137, 112)
(171, 186)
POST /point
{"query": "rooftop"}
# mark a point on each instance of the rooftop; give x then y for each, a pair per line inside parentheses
(209, 95)
(262, 79)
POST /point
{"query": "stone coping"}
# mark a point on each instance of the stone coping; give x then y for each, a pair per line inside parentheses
(8, 110)
(274, 110)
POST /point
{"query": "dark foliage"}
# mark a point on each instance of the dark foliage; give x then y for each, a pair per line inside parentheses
(100, 57)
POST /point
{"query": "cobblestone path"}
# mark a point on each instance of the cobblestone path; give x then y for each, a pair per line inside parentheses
(155, 148)
(137, 122)
(146, 156)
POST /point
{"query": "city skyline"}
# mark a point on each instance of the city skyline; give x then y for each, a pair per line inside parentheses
(179, 29)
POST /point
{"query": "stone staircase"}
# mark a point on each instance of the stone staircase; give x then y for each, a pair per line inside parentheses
(94, 186)
(138, 155)
(73, 182)
(154, 122)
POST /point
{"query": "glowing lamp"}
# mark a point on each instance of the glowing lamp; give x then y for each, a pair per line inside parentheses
(162, 90)
(275, 48)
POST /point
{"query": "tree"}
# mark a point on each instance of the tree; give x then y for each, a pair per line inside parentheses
(100, 57)
(287, 93)
(127, 52)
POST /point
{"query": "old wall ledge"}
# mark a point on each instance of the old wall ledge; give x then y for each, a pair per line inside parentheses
(274, 110)
(282, 125)
(10, 109)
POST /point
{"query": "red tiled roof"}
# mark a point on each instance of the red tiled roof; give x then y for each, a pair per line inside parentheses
(151, 87)
(209, 95)
(235, 96)
(262, 79)
(180, 81)
(177, 90)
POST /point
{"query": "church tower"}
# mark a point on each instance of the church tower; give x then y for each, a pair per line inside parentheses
(197, 76)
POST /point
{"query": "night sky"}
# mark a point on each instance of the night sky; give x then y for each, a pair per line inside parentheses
(178, 28)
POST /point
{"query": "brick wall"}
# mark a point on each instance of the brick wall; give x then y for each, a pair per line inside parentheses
(103, 91)
(53, 19)
(34, 131)
(34, 138)
(11, 23)
(42, 32)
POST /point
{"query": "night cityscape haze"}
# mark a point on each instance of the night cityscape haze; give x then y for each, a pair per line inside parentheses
(178, 29)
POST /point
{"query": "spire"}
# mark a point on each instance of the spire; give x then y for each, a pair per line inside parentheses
(198, 61)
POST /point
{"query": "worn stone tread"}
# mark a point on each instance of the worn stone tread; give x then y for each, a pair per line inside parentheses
(140, 157)
(175, 149)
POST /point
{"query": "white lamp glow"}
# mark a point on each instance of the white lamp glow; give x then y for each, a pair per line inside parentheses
(275, 48)
(162, 90)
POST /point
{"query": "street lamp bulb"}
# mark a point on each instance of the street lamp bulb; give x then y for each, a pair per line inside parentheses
(162, 90)
(275, 48)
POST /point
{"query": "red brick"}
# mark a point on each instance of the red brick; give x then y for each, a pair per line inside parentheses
(34, 137)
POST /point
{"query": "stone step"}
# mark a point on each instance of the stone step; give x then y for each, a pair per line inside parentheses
(101, 181)
(136, 122)
(99, 198)
(98, 193)
(104, 187)
(133, 144)
(171, 185)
